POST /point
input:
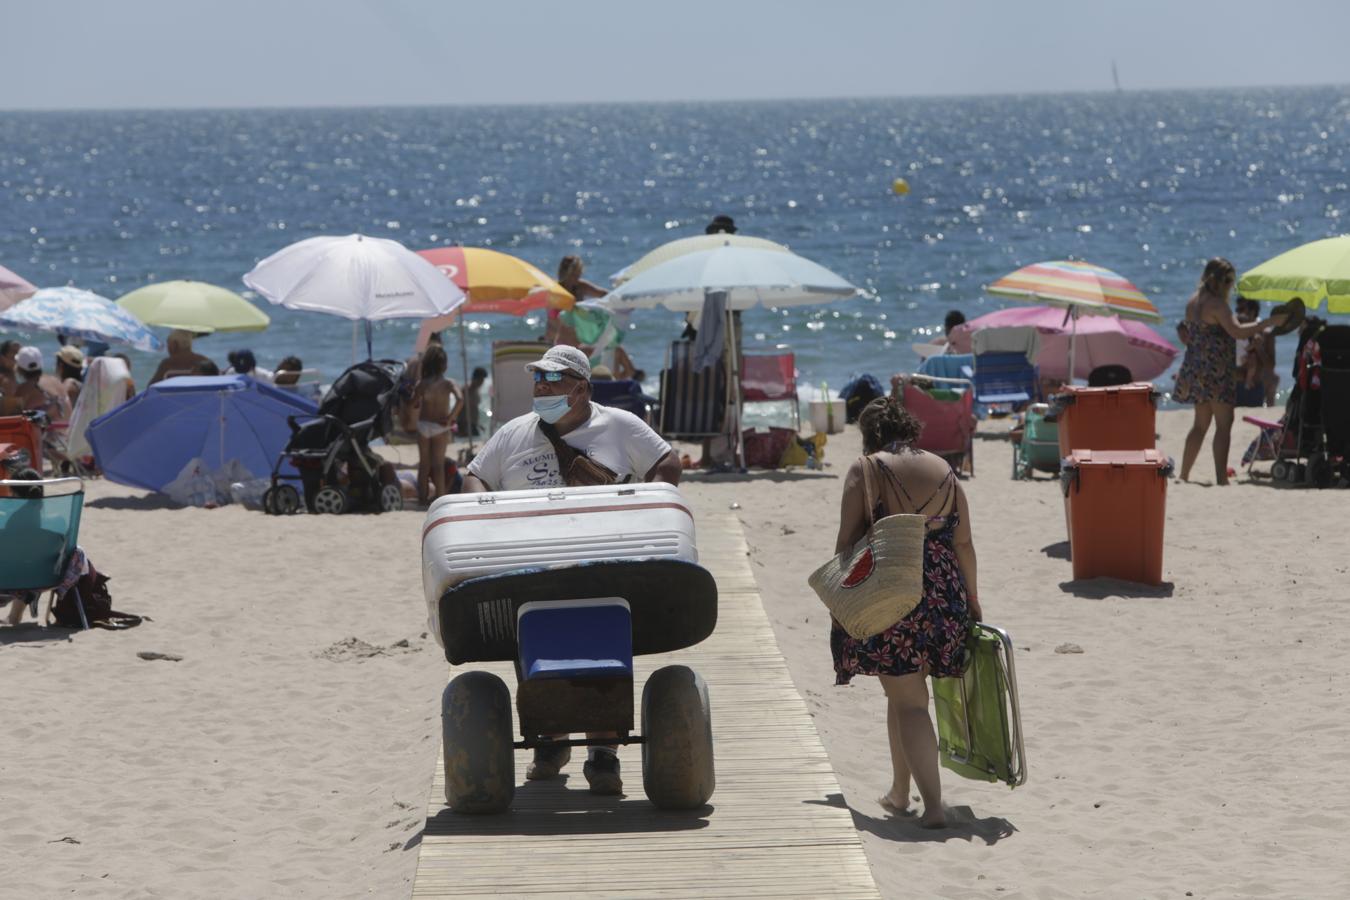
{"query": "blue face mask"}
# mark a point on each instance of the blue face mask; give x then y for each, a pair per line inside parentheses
(551, 409)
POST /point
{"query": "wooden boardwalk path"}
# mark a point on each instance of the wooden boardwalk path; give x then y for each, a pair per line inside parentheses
(775, 827)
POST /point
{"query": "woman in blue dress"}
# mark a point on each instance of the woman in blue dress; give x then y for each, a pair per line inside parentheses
(931, 640)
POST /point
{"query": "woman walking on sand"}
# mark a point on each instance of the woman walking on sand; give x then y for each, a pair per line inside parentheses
(1210, 332)
(931, 640)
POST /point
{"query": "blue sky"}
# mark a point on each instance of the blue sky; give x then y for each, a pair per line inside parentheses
(209, 53)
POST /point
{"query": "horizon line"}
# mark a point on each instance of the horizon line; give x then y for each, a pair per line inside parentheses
(1110, 91)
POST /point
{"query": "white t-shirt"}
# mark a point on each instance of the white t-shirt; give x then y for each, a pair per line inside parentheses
(519, 457)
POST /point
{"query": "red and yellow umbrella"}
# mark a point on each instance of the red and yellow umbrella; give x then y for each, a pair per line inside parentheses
(1080, 286)
(498, 282)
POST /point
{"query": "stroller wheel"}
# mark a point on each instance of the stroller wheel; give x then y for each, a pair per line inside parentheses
(1319, 471)
(331, 500)
(285, 500)
(391, 498)
(1280, 470)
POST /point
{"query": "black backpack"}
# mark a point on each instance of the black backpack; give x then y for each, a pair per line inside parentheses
(858, 393)
(92, 588)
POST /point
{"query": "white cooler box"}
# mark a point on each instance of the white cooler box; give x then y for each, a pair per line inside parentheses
(473, 535)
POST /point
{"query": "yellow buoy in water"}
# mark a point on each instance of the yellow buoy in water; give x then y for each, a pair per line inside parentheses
(900, 187)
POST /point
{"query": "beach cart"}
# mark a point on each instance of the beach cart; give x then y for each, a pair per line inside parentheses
(569, 584)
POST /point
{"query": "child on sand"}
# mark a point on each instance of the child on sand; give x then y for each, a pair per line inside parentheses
(435, 413)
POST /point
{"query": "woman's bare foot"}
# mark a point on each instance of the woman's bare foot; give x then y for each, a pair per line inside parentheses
(899, 806)
(934, 818)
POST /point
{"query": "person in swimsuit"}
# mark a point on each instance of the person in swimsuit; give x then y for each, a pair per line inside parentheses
(1210, 332)
(431, 399)
(570, 270)
(931, 640)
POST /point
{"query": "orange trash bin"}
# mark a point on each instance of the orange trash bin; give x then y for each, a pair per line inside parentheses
(1120, 417)
(1117, 504)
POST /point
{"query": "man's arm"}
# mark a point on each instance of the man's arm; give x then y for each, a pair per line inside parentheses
(667, 469)
(474, 485)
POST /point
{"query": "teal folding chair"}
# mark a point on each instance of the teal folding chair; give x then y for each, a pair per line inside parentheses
(39, 528)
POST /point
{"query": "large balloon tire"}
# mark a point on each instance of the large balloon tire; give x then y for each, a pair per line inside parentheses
(476, 734)
(677, 749)
(331, 500)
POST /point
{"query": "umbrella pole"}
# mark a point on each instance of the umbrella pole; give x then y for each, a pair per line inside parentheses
(370, 354)
(1073, 339)
(353, 343)
(464, 360)
(737, 441)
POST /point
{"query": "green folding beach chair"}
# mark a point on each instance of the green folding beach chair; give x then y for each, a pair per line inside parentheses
(978, 718)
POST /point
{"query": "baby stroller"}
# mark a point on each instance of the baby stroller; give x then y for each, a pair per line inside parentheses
(1317, 414)
(338, 470)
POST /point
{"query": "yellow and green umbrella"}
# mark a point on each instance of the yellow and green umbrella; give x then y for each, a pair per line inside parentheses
(193, 306)
(1313, 273)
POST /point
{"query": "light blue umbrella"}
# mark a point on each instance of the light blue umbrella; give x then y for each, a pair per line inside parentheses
(79, 313)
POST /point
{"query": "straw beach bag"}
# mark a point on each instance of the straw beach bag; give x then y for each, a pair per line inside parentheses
(880, 580)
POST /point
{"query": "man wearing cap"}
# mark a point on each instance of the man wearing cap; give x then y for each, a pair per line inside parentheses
(70, 371)
(521, 456)
(39, 391)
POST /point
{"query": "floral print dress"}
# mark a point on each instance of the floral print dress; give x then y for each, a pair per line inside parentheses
(934, 633)
(1209, 370)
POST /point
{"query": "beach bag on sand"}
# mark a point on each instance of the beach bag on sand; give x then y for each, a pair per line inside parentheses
(878, 582)
(979, 722)
(93, 590)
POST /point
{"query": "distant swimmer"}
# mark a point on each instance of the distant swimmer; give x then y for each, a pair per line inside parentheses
(900, 187)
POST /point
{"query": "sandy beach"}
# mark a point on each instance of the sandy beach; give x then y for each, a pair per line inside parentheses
(1189, 749)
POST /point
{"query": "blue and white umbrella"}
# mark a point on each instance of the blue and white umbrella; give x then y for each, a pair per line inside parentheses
(79, 313)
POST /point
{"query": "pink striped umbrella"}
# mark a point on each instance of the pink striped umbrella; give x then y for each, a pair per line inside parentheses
(1101, 340)
(13, 288)
(1082, 288)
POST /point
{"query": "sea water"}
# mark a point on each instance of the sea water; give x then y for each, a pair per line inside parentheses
(1148, 184)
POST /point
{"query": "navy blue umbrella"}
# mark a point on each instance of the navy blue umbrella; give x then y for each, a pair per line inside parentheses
(148, 440)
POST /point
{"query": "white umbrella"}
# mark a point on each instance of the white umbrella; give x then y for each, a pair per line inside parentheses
(356, 277)
(748, 276)
(681, 246)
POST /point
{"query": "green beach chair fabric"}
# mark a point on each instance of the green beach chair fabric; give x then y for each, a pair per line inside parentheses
(978, 720)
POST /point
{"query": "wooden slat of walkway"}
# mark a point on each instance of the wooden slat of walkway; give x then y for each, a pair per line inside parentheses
(775, 827)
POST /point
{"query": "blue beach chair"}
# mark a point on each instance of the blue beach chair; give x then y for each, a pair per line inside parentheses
(1005, 378)
(948, 365)
(626, 395)
(39, 528)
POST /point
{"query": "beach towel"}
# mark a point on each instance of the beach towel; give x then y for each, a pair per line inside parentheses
(711, 338)
(105, 388)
